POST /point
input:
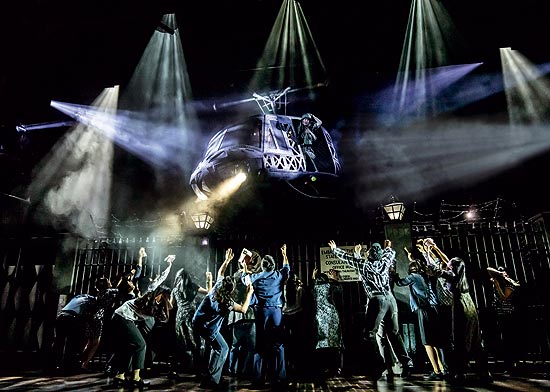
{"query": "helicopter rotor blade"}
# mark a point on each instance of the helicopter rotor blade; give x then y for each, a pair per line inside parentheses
(268, 99)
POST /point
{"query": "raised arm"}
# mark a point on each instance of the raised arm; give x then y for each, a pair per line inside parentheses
(349, 258)
(357, 250)
(388, 255)
(503, 275)
(283, 251)
(208, 288)
(409, 254)
(316, 122)
(430, 245)
(209, 281)
(228, 257)
(157, 282)
(139, 267)
(494, 273)
(315, 273)
(141, 255)
(498, 276)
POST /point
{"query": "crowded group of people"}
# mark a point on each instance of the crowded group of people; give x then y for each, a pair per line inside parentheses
(260, 322)
(447, 317)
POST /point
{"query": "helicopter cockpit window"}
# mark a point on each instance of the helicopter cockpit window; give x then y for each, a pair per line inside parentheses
(275, 137)
(247, 134)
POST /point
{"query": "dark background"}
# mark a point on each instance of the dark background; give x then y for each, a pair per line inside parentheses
(71, 50)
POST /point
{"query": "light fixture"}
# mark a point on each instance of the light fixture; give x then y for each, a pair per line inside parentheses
(395, 209)
(167, 24)
(202, 220)
(164, 28)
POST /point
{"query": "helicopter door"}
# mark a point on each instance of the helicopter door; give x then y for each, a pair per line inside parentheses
(280, 150)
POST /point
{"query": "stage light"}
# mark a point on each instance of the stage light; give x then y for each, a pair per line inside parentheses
(163, 28)
(240, 177)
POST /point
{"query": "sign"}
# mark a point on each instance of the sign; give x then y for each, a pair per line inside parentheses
(329, 261)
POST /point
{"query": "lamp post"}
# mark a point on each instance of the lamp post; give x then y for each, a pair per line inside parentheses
(399, 232)
(202, 220)
(395, 209)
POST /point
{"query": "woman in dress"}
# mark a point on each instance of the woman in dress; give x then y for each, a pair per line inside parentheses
(327, 322)
(183, 298)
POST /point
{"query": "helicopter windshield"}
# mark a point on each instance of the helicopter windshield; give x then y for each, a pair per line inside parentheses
(248, 133)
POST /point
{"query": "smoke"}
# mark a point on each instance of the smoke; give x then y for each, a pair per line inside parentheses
(423, 161)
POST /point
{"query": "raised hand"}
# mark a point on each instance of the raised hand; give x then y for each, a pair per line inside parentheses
(315, 272)
(283, 249)
(409, 254)
(170, 258)
(332, 244)
(229, 254)
(358, 248)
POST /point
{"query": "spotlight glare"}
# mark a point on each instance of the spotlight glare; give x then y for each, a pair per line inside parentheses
(240, 177)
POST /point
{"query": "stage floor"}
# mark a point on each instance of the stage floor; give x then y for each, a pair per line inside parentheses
(37, 381)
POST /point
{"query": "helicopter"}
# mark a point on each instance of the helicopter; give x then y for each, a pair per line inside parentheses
(268, 145)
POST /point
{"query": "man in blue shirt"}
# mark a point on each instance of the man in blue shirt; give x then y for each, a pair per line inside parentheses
(69, 331)
(268, 311)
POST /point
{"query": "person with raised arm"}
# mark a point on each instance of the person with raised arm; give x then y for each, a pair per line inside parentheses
(508, 323)
(154, 305)
(209, 317)
(188, 342)
(268, 311)
(381, 306)
(242, 325)
(465, 331)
